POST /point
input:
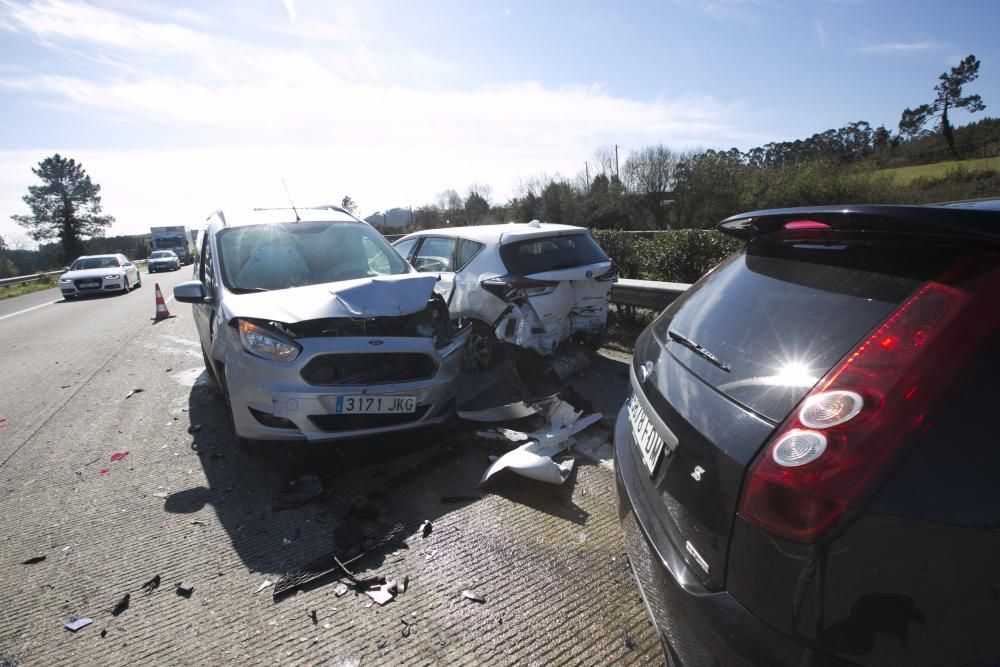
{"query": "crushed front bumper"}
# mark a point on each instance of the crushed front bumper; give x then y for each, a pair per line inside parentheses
(272, 401)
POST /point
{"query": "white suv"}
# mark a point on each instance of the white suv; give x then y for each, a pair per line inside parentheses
(532, 285)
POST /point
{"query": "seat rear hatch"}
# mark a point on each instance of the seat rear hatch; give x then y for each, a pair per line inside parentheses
(730, 359)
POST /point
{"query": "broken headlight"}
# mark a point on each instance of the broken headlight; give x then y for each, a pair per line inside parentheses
(267, 344)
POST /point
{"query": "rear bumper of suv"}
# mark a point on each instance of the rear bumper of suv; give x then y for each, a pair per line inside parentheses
(696, 626)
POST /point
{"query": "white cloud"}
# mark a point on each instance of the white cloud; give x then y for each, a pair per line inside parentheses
(900, 47)
(332, 121)
(290, 9)
(820, 33)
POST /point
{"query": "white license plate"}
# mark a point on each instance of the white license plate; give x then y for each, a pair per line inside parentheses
(375, 405)
(650, 444)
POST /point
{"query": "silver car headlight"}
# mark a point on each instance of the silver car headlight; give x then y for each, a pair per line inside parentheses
(113, 276)
(65, 281)
(267, 344)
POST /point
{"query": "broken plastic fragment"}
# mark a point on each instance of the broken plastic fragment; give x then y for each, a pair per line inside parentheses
(425, 528)
(121, 605)
(184, 589)
(531, 465)
(77, 624)
(267, 582)
(340, 590)
(151, 585)
(133, 393)
(118, 456)
(33, 560)
(474, 596)
(384, 593)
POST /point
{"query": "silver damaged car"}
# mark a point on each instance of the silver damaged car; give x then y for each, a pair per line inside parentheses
(315, 329)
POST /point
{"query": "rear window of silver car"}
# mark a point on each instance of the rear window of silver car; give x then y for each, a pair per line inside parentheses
(279, 256)
(551, 253)
(161, 254)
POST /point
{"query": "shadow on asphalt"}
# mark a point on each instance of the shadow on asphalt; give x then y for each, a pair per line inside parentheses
(371, 487)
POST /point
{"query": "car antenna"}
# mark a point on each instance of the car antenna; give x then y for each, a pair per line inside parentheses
(297, 218)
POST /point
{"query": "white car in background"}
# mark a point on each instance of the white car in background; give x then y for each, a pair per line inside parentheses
(532, 285)
(92, 274)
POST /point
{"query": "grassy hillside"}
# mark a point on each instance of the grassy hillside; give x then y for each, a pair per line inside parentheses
(903, 175)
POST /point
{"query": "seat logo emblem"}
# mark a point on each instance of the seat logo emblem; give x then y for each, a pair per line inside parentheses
(697, 473)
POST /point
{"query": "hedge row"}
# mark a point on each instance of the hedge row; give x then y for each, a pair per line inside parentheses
(680, 256)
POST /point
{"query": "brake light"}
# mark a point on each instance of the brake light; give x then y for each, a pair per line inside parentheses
(805, 224)
(512, 288)
(828, 456)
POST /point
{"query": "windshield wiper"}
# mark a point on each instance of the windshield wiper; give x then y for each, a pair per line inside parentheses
(247, 290)
(697, 349)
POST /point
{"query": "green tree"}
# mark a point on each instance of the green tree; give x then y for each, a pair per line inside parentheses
(348, 204)
(67, 205)
(948, 97)
(476, 207)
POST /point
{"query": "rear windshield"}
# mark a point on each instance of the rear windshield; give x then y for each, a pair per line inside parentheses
(269, 257)
(160, 254)
(551, 253)
(779, 317)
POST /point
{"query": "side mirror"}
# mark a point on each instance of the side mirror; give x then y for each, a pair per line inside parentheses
(191, 291)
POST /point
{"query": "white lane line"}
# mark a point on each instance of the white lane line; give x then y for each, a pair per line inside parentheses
(26, 310)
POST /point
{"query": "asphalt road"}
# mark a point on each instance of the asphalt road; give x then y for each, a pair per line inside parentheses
(192, 507)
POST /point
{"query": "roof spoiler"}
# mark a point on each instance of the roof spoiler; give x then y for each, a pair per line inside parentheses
(951, 221)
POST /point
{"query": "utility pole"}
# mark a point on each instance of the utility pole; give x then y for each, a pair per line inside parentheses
(617, 173)
(411, 214)
(586, 169)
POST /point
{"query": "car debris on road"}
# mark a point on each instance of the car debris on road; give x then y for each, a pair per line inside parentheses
(76, 624)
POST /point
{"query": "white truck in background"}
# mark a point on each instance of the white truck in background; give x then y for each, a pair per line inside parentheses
(172, 238)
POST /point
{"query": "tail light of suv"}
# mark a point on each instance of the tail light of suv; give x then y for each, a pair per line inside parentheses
(850, 429)
(513, 288)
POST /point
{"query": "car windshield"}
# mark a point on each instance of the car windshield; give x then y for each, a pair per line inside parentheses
(279, 256)
(94, 263)
(160, 254)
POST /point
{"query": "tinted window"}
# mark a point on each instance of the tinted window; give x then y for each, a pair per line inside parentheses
(436, 253)
(466, 251)
(159, 254)
(550, 253)
(279, 256)
(404, 248)
(779, 317)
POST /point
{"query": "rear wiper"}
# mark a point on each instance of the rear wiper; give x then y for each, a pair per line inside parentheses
(697, 349)
(247, 290)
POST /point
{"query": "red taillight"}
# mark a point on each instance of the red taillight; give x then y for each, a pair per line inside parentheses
(805, 224)
(902, 372)
(512, 288)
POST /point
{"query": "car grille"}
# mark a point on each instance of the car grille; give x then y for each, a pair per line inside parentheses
(80, 281)
(367, 369)
(338, 423)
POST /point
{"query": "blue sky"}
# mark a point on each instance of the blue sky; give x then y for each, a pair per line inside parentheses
(177, 110)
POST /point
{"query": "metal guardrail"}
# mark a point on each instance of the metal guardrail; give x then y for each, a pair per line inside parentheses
(17, 280)
(652, 294)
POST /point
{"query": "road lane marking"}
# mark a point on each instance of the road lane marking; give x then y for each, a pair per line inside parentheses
(26, 310)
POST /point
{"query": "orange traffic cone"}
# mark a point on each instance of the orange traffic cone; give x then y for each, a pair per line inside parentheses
(161, 306)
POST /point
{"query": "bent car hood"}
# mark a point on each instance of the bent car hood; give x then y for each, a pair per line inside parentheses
(365, 297)
(91, 273)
